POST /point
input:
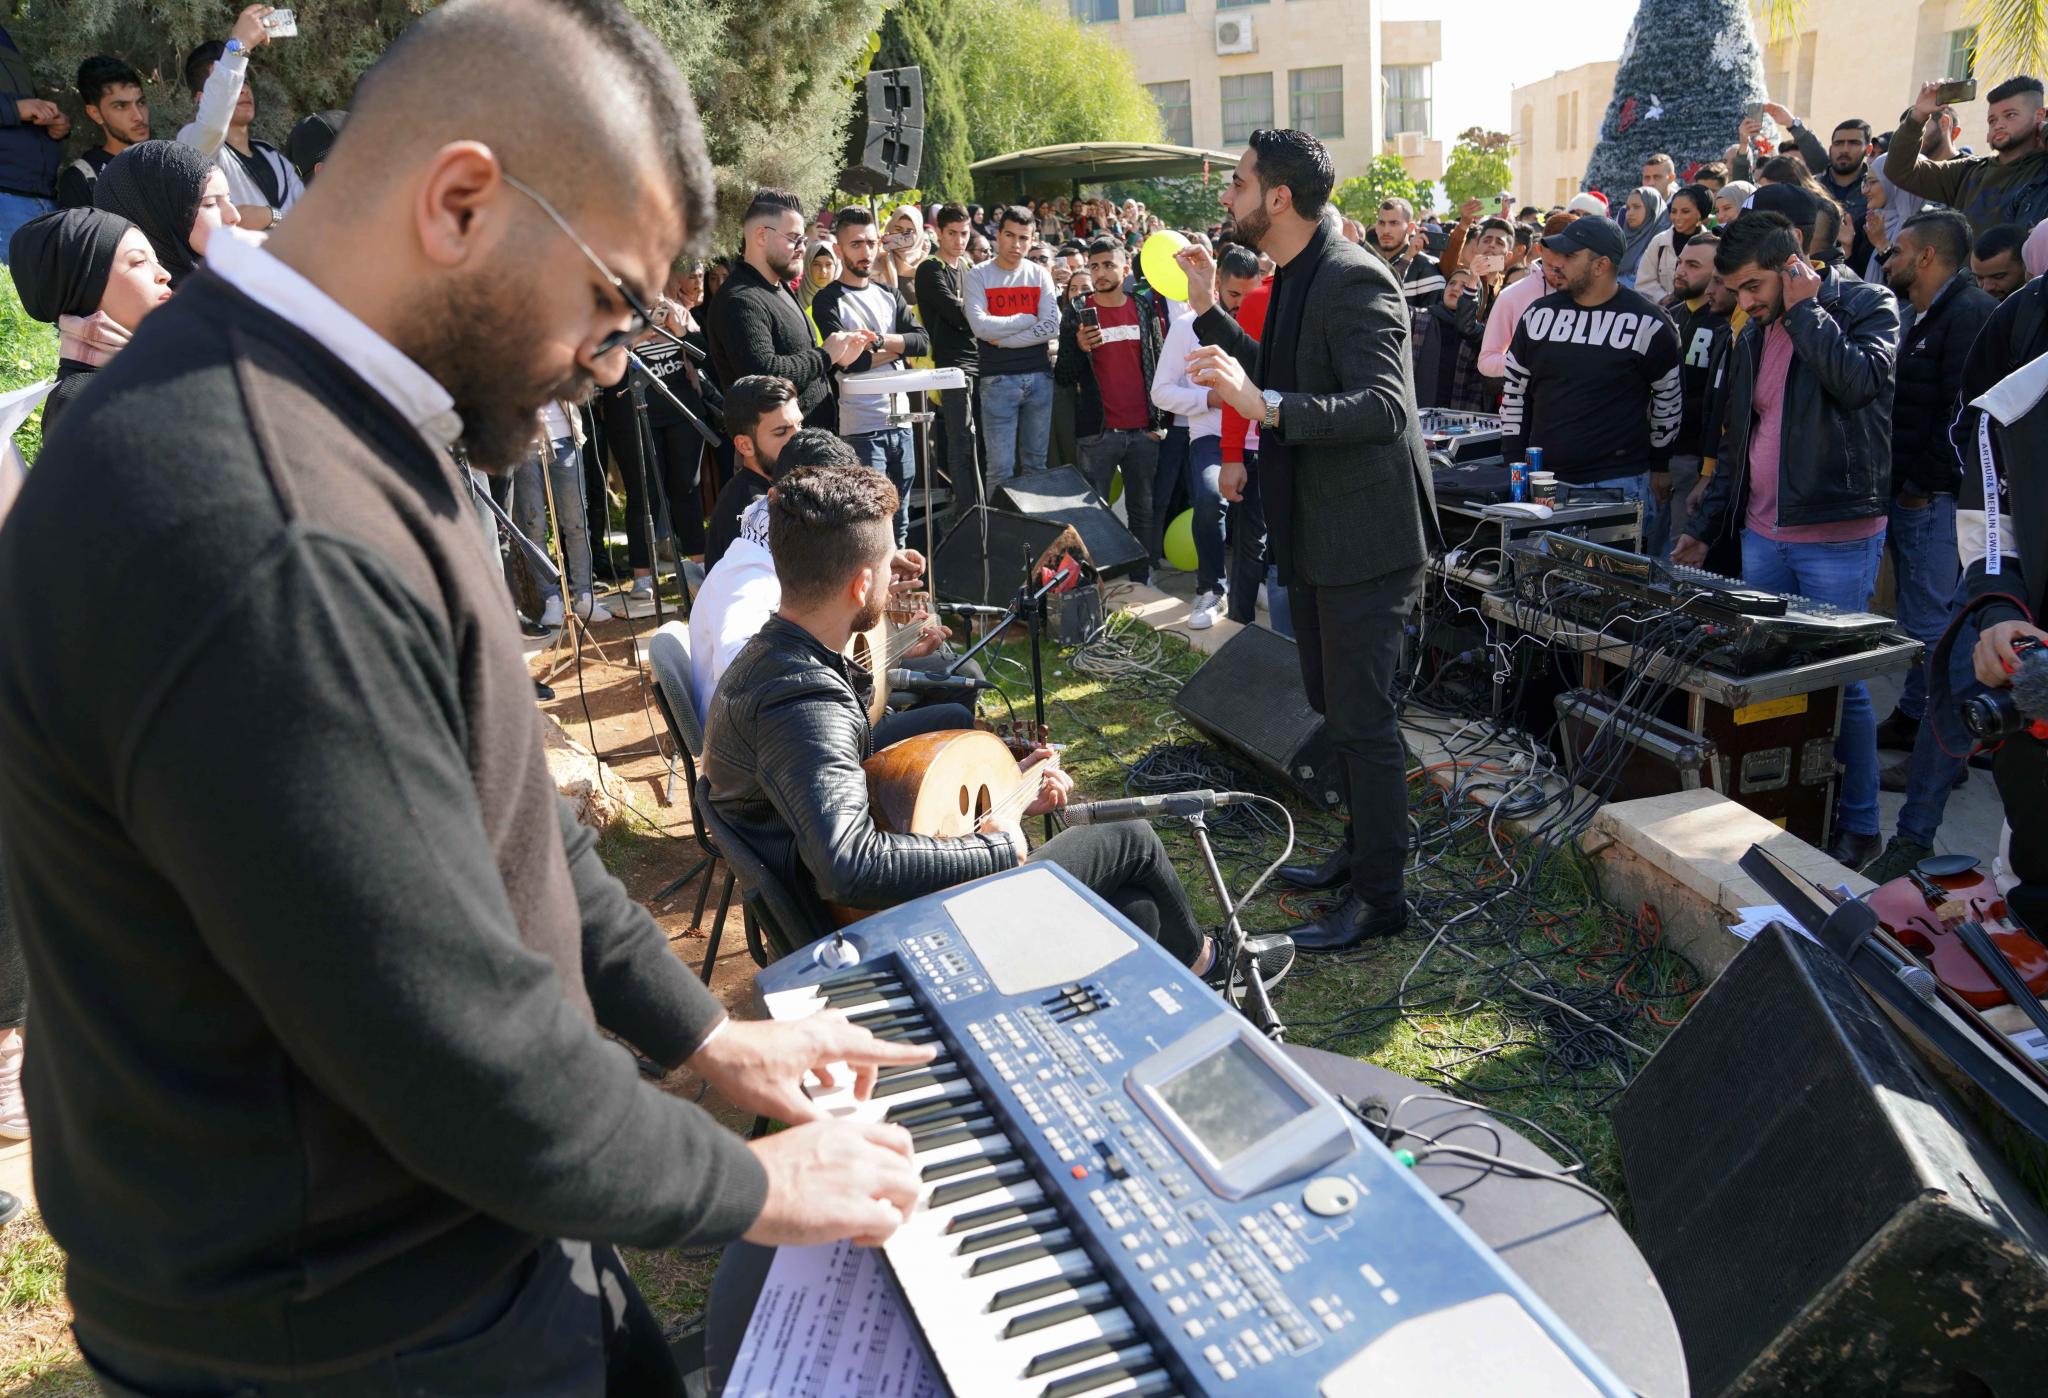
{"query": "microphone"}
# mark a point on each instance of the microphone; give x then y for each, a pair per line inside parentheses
(972, 609)
(1172, 803)
(923, 682)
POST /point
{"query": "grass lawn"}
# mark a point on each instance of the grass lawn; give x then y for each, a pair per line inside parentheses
(1530, 1000)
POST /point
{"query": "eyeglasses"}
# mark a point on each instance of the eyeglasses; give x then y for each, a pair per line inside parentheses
(641, 319)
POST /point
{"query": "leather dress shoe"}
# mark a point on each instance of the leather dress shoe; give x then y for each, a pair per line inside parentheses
(1853, 851)
(1351, 923)
(1334, 871)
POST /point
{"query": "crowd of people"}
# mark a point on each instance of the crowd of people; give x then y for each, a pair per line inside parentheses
(295, 781)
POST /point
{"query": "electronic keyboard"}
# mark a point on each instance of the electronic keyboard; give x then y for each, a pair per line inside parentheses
(903, 380)
(1127, 1190)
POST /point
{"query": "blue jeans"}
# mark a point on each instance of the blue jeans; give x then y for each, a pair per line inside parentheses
(890, 451)
(1016, 420)
(1248, 565)
(1931, 773)
(17, 209)
(530, 513)
(1137, 455)
(1842, 575)
(1923, 545)
(1170, 494)
(1204, 474)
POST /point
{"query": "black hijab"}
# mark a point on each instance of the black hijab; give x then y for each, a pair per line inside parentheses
(156, 186)
(61, 261)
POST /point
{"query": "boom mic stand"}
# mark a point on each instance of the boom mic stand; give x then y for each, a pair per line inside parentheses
(645, 456)
(1261, 1013)
(1028, 607)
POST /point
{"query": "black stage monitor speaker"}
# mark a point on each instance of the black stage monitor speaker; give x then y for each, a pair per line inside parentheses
(1823, 1218)
(1065, 495)
(1248, 696)
(1017, 546)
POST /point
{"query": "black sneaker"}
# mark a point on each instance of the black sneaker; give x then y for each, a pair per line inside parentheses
(1898, 860)
(1271, 952)
(1898, 733)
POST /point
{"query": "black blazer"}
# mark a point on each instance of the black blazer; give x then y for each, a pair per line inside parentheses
(1361, 501)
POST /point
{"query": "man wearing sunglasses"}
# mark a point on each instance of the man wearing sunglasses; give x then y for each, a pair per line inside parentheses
(755, 325)
(322, 1102)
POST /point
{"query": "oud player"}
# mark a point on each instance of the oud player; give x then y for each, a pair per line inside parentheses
(788, 730)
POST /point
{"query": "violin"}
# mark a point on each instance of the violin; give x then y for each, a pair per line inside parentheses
(1933, 911)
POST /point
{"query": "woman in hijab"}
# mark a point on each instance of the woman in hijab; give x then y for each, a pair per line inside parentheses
(94, 276)
(175, 195)
(903, 248)
(1640, 221)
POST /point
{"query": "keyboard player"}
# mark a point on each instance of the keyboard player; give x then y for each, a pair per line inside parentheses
(787, 732)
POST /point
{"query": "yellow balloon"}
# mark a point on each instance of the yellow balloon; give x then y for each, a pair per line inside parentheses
(1180, 542)
(1156, 260)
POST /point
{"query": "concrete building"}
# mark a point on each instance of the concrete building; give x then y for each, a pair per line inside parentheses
(1556, 124)
(1849, 58)
(1220, 69)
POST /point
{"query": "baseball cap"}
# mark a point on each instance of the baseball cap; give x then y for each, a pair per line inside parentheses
(1601, 236)
(312, 139)
(1798, 205)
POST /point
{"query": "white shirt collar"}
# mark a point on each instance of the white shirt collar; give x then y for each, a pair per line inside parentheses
(416, 394)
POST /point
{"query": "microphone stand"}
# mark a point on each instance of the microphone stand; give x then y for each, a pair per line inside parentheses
(645, 434)
(1028, 607)
(1261, 1012)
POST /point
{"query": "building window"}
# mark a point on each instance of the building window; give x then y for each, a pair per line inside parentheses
(1145, 9)
(1095, 11)
(1407, 97)
(1176, 109)
(1236, 5)
(1315, 102)
(1962, 53)
(1247, 105)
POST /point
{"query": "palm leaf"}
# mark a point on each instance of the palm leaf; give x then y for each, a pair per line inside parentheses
(2012, 36)
(1781, 18)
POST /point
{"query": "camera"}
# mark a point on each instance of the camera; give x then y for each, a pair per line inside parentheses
(1996, 715)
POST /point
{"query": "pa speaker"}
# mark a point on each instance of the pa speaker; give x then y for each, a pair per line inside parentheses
(896, 97)
(991, 553)
(1249, 697)
(1822, 1217)
(894, 147)
(1064, 494)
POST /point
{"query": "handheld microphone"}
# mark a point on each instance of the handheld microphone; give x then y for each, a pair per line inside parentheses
(972, 609)
(1172, 803)
(922, 682)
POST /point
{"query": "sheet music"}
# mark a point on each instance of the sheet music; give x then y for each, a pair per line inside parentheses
(829, 1324)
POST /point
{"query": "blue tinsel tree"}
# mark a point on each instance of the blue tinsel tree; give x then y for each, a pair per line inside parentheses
(1688, 68)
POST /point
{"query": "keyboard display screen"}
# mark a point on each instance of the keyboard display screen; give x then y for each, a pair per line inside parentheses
(1231, 1100)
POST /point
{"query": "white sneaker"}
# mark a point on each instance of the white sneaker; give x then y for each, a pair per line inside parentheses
(643, 588)
(1208, 607)
(590, 609)
(1265, 598)
(13, 1108)
(551, 614)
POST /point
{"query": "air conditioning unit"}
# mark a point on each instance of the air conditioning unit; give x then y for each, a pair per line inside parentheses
(1409, 144)
(1234, 34)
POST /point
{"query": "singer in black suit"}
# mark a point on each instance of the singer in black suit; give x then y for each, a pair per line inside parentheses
(1349, 510)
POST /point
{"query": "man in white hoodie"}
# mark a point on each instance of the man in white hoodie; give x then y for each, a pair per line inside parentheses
(1199, 410)
(261, 181)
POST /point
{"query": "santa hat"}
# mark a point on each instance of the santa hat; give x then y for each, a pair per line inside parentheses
(1591, 202)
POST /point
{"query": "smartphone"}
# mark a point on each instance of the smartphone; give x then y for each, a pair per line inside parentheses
(1753, 112)
(1956, 90)
(282, 24)
(1091, 317)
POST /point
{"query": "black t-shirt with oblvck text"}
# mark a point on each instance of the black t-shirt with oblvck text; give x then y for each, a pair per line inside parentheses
(1595, 387)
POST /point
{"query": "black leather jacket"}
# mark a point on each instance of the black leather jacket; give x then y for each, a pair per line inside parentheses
(784, 739)
(1835, 455)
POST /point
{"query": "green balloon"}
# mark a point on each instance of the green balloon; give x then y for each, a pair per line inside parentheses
(1180, 542)
(1116, 486)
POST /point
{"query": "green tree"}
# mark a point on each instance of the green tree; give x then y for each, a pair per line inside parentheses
(1385, 178)
(774, 83)
(1182, 201)
(919, 33)
(1037, 77)
(1480, 166)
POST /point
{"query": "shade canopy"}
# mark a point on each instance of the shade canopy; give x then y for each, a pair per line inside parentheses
(1095, 162)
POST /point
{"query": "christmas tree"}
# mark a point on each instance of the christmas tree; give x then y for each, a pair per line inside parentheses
(1688, 69)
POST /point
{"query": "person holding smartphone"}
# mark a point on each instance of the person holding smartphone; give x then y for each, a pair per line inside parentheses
(1803, 473)
(2010, 185)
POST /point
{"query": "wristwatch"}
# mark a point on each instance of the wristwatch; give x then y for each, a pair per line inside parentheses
(1271, 421)
(232, 46)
